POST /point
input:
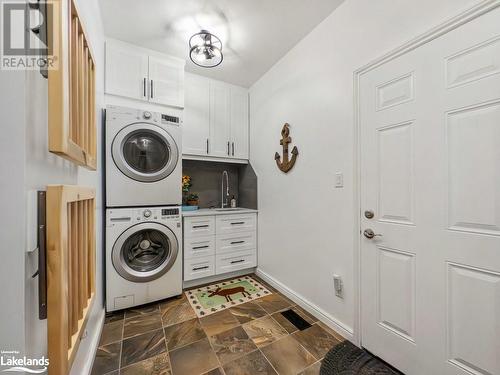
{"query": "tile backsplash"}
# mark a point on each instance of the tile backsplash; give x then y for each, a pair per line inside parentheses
(207, 178)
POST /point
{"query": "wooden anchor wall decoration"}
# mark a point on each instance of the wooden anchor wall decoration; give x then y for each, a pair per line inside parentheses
(286, 164)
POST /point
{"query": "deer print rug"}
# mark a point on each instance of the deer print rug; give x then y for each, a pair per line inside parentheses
(217, 297)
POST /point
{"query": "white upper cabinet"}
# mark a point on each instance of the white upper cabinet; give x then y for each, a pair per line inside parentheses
(166, 81)
(239, 123)
(215, 120)
(126, 72)
(196, 130)
(220, 120)
(136, 73)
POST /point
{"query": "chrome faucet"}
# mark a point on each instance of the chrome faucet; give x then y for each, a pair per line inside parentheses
(224, 201)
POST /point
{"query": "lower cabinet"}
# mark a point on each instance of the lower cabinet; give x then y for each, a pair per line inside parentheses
(235, 261)
(228, 246)
(197, 268)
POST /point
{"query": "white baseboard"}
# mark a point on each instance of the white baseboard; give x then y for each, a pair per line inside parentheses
(344, 330)
(85, 358)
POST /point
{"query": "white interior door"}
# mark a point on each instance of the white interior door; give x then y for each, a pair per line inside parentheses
(220, 119)
(126, 72)
(196, 128)
(166, 82)
(430, 171)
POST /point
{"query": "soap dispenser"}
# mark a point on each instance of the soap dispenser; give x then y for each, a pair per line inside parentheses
(233, 202)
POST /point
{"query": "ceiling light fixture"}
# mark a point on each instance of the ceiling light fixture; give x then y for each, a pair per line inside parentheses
(205, 49)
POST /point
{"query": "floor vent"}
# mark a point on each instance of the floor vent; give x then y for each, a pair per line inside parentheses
(295, 319)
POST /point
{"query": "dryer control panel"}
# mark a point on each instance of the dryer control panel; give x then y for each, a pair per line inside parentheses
(157, 213)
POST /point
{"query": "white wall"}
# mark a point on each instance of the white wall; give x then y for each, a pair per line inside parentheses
(306, 226)
(30, 165)
(11, 200)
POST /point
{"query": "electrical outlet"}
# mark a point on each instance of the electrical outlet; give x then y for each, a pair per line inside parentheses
(338, 286)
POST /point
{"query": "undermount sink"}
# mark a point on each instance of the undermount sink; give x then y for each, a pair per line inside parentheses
(230, 209)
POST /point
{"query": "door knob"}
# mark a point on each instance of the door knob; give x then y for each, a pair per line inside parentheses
(369, 233)
(369, 214)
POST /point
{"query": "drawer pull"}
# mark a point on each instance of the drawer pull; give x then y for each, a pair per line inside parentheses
(200, 247)
(237, 242)
(200, 268)
(238, 223)
(237, 261)
(200, 226)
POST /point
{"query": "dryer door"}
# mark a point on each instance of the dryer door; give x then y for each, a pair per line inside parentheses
(145, 252)
(145, 152)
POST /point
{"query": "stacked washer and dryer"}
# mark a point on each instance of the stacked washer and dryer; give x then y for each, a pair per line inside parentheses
(143, 206)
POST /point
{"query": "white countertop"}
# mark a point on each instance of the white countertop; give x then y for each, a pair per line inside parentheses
(217, 211)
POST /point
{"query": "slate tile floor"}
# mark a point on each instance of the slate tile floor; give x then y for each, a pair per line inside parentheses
(167, 338)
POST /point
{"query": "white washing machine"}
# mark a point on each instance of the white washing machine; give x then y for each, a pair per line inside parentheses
(143, 157)
(143, 255)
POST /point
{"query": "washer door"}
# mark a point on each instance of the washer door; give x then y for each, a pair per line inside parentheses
(145, 152)
(145, 252)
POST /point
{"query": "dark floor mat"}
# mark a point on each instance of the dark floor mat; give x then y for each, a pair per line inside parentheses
(346, 359)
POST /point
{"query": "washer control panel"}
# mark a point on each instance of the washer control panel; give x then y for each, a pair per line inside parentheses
(160, 213)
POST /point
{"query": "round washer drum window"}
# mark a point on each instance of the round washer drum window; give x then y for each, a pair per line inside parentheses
(146, 250)
(146, 152)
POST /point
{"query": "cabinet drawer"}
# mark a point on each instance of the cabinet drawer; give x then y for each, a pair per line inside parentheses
(199, 247)
(199, 267)
(228, 243)
(235, 261)
(199, 226)
(228, 224)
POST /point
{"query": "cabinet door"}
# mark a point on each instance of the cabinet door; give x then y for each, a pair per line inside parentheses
(220, 119)
(234, 223)
(166, 82)
(126, 72)
(196, 131)
(239, 123)
(198, 268)
(202, 226)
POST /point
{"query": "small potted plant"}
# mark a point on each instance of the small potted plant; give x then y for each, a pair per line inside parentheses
(192, 199)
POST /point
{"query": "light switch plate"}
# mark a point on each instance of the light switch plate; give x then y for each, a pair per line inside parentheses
(339, 180)
(338, 286)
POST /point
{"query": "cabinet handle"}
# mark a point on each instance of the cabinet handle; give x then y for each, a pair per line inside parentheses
(237, 242)
(200, 268)
(200, 226)
(227, 148)
(238, 223)
(237, 261)
(144, 84)
(207, 145)
(152, 90)
(200, 247)
(233, 148)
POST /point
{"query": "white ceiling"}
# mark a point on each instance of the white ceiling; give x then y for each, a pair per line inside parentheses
(255, 33)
